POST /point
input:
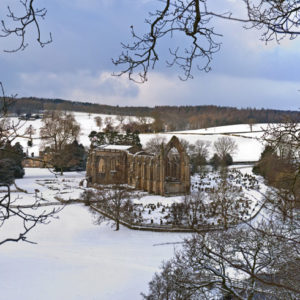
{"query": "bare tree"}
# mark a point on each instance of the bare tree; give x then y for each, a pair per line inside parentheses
(24, 217)
(251, 122)
(194, 20)
(284, 138)
(202, 148)
(18, 24)
(121, 119)
(239, 264)
(98, 121)
(59, 129)
(142, 120)
(224, 146)
(280, 165)
(227, 204)
(30, 131)
(114, 203)
(108, 121)
(199, 155)
(195, 208)
(188, 147)
(154, 144)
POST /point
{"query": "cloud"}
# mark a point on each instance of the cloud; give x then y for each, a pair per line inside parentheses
(87, 34)
(205, 89)
(78, 86)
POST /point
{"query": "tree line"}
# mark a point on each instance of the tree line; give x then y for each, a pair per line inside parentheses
(165, 117)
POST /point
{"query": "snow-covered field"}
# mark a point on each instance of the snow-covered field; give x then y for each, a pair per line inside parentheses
(239, 128)
(75, 259)
(86, 121)
(249, 147)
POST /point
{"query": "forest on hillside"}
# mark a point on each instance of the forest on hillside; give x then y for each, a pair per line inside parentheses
(166, 117)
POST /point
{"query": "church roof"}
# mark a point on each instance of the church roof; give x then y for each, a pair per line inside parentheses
(116, 147)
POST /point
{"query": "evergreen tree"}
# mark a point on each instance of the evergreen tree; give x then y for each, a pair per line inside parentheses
(13, 156)
(114, 138)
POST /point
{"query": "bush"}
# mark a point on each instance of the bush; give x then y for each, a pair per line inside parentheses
(215, 161)
(228, 160)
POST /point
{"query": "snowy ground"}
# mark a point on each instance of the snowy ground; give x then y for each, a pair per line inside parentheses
(155, 209)
(239, 128)
(249, 147)
(86, 121)
(75, 259)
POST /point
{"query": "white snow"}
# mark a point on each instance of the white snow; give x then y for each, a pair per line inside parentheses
(249, 146)
(248, 149)
(239, 128)
(86, 121)
(116, 147)
(75, 259)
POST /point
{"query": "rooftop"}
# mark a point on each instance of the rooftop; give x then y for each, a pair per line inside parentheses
(116, 147)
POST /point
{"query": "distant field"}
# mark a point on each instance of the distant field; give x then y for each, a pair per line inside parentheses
(249, 147)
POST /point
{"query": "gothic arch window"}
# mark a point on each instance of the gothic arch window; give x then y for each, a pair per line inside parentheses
(151, 170)
(157, 169)
(101, 166)
(113, 165)
(173, 160)
(145, 170)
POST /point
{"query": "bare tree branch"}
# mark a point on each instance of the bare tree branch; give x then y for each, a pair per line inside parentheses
(193, 21)
(30, 17)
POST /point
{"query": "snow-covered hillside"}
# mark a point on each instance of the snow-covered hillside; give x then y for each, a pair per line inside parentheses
(249, 146)
(249, 149)
(86, 121)
(239, 128)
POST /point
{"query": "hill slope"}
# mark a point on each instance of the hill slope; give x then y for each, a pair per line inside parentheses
(170, 117)
(249, 147)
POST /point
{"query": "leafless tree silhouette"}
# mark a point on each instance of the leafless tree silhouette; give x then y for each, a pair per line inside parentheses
(26, 217)
(18, 24)
(194, 21)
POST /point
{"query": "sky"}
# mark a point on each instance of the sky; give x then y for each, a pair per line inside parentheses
(87, 34)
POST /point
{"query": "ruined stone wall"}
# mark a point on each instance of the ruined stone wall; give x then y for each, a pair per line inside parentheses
(42, 161)
(32, 163)
(155, 174)
(107, 167)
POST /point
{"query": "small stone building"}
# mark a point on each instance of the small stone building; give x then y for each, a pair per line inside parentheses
(167, 173)
(41, 161)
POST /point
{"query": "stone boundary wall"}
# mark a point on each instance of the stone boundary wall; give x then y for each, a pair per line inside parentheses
(159, 228)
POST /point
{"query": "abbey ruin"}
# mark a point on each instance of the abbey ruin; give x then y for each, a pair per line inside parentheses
(166, 173)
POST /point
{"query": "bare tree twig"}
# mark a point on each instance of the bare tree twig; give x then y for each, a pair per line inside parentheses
(30, 17)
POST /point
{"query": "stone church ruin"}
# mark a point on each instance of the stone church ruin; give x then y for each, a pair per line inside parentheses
(167, 173)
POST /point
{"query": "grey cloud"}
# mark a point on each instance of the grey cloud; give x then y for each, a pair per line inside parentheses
(81, 83)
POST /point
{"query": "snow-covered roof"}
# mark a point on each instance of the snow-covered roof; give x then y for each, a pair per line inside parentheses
(116, 147)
